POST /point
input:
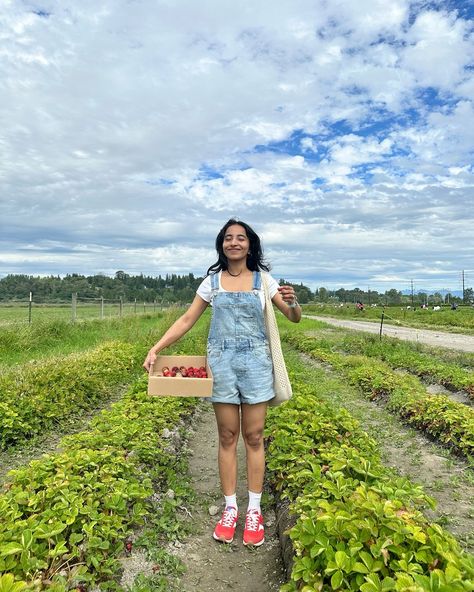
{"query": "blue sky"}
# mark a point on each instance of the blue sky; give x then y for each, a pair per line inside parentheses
(130, 131)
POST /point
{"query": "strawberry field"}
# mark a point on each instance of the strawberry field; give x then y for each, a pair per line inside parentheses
(72, 518)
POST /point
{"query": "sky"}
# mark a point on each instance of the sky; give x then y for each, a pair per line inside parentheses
(341, 131)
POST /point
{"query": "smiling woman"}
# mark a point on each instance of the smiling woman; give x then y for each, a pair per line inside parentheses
(239, 357)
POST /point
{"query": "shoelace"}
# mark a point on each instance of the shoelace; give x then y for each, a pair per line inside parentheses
(228, 517)
(252, 520)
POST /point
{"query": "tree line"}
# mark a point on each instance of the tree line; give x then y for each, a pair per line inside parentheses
(173, 288)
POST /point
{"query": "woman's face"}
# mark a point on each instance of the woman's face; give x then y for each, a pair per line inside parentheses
(236, 243)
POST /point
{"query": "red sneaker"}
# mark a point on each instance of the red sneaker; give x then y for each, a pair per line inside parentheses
(254, 533)
(225, 528)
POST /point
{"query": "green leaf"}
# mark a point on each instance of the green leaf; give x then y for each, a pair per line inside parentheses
(8, 584)
(341, 559)
(10, 549)
(360, 568)
(336, 579)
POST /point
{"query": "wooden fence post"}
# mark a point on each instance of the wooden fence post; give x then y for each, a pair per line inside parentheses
(74, 307)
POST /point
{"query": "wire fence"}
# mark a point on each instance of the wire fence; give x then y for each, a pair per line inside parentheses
(78, 308)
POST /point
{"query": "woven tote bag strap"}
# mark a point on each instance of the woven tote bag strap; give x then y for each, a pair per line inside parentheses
(281, 384)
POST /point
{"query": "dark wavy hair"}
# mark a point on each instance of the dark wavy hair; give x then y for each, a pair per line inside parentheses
(255, 261)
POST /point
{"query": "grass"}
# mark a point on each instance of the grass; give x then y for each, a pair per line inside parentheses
(460, 320)
(22, 343)
(20, 312)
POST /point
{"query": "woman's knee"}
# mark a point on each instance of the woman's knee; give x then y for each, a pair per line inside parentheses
(228, 437)
(253, 438)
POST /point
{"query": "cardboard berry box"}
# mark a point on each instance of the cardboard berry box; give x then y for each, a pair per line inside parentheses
(179, 386)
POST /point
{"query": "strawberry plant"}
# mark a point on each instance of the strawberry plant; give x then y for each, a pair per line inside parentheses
(449, 422)
(36, 396)
(358, 526)
(66, 518)
(400, 354)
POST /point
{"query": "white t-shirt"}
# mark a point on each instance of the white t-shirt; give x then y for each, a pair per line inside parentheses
(204, 290)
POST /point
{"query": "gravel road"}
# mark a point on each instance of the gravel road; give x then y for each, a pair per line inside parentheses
(434, 338)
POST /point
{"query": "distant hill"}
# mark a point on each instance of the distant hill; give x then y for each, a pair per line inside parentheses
(442, 291)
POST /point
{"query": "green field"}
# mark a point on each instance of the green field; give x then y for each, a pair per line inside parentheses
(23, 313)
(376, 468)
(460, 320)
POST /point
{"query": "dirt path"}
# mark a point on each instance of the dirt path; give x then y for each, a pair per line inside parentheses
(434, 338)
(212, 566)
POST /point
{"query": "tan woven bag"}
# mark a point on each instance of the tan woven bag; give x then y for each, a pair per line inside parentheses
(281, 382)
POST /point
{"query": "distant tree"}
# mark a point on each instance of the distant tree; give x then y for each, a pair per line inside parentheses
(323, 295)
(393, 296)
(121, 275)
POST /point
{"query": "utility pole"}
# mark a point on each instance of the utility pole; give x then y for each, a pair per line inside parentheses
(368, 290)
(463, 288)
(412, 301)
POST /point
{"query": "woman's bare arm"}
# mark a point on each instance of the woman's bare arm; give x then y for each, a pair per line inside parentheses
(286, 295)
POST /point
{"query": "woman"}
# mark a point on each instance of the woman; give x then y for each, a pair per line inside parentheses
(239, 357)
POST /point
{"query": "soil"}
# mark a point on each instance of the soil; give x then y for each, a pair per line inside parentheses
(214, 566)
(434, 338)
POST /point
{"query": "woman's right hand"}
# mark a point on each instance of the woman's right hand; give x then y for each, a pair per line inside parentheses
(149, 360)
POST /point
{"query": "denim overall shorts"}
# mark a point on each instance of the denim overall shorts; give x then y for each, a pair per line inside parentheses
(237, 348)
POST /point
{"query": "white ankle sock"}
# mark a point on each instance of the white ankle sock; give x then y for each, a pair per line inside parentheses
(231, 500)
(254, 501)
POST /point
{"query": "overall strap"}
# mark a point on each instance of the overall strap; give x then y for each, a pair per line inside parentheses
(214, 281)
(214, 286)
(257, 280)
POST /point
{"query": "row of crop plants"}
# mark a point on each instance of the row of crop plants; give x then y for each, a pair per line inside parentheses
(65, 519)
(358, 526)
(403, 355)
(438, 416)
(39, 395)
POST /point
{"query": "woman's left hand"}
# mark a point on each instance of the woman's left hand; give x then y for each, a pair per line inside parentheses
(287, 293)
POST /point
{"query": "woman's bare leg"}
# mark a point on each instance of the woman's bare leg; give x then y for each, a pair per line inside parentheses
(228, 426)
(253, 424)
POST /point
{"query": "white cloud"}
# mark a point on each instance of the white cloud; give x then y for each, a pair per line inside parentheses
(130, 132)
